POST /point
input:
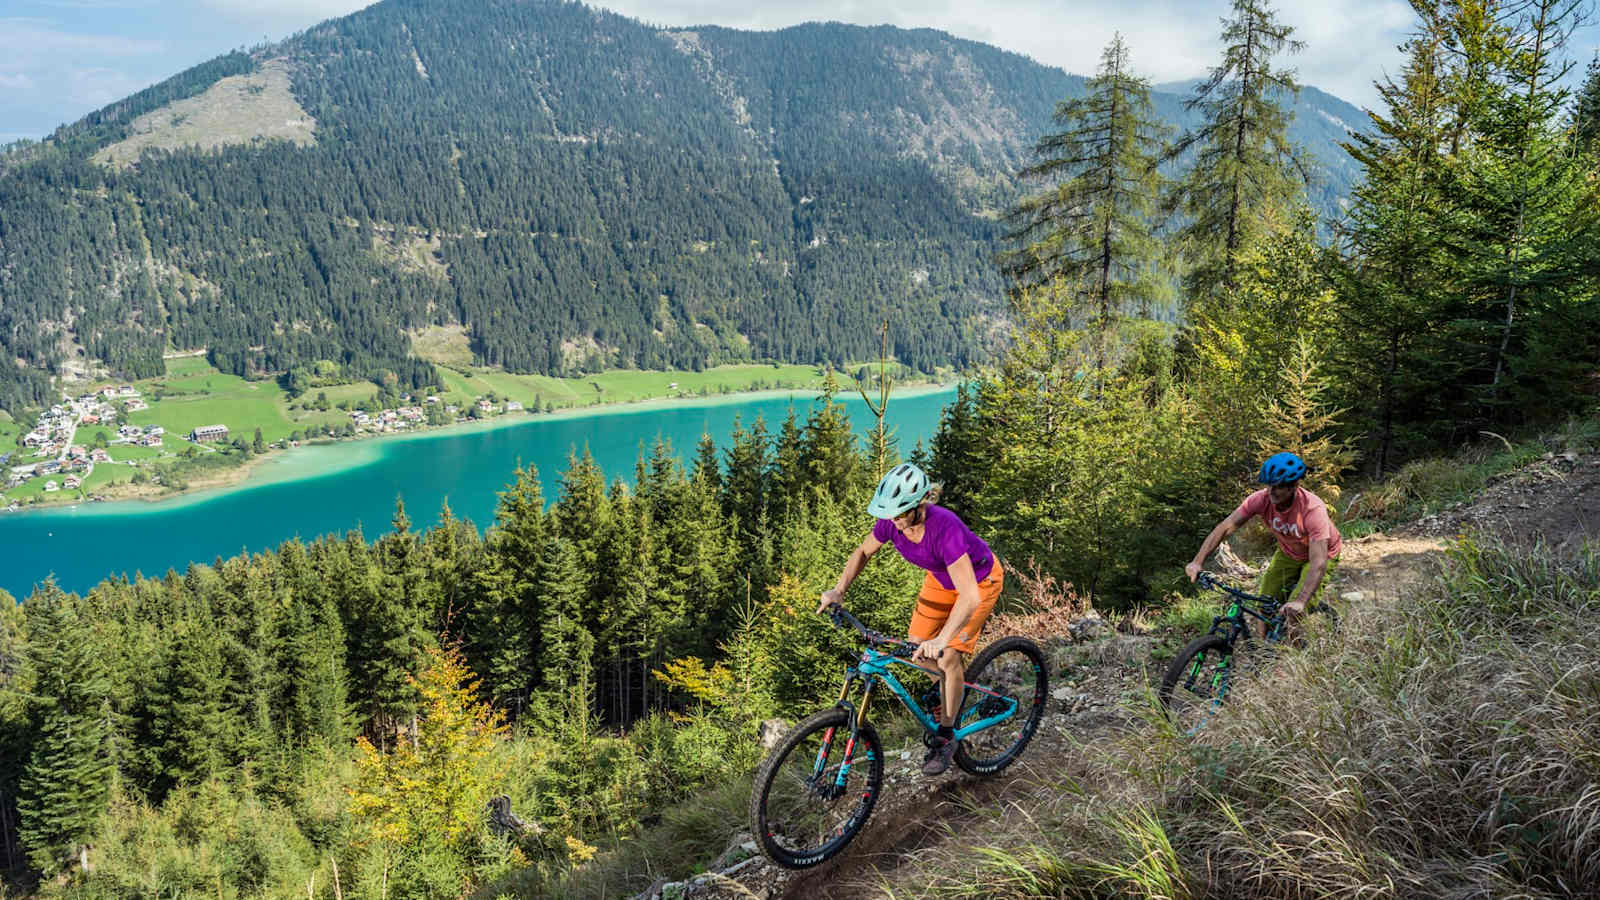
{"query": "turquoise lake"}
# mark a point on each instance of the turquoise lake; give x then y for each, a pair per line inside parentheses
(333, 488)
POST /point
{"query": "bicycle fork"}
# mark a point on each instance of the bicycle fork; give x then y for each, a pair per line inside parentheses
(858, 718)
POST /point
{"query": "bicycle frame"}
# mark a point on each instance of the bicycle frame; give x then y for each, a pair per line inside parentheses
(874, 667)
(1239, 610)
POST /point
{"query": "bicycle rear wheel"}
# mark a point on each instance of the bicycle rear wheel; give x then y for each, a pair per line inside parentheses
(1011, 668)
(798, 812)
(1197, 682)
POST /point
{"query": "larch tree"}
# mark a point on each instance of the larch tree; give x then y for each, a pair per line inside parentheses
(1089, 227)
(1244, 174)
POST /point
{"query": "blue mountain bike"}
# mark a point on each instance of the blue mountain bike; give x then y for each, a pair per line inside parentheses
(816, 790)
(1200, 677)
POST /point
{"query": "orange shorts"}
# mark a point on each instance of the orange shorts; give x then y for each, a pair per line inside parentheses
(935, 602)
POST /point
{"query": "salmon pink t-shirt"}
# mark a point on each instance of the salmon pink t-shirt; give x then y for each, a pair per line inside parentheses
(1304, 521)
(945, 539)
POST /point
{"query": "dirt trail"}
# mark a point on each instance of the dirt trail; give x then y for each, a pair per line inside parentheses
(919, 821)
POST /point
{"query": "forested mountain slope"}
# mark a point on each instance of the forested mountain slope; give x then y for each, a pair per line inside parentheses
(576, 188)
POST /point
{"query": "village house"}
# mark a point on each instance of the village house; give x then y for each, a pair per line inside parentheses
(206, 433)
(512, 406)
(135, 405)
(36, 439)
(90, 419)
(51, 486)
(156, 430)
(99, 455)
(74, 482)
(127, 390)
(77, 451)
(129, 432)
(50, 467)
(485, 405)
(151, 440)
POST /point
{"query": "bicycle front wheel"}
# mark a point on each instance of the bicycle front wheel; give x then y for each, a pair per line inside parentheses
(1197, 682)
(800, 812)
(1010, 669)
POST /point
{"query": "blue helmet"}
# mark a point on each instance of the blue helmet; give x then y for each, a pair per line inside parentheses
(1282, 468)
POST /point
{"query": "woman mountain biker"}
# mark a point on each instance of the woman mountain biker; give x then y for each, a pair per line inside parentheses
(1308, 541)
(963, 580)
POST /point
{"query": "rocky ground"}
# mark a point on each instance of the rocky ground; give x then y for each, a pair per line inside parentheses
(1099, 676)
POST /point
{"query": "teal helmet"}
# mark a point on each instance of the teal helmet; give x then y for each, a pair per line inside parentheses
(902, 489)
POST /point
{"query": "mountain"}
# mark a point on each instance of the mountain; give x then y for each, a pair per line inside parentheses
(570, 187)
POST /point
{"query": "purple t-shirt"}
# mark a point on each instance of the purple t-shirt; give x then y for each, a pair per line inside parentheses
(944, 539)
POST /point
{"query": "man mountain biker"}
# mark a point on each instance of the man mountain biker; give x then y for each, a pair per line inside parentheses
(958, 592)
(1308, 541)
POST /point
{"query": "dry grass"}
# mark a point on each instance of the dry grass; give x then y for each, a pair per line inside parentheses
(1448, 749)
(239, 109)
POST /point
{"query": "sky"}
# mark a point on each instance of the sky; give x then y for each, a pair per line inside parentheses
(61, 59)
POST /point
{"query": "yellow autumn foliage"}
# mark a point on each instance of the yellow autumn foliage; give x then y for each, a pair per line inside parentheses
(435, 785)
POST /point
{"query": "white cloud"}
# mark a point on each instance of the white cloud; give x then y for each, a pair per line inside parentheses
(17, 81)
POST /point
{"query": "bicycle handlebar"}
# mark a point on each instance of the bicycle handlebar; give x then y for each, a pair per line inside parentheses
(1208, 580)
(842, 616)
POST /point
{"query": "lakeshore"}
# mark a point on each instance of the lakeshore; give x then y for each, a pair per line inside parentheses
(342, 486)
(331, 456)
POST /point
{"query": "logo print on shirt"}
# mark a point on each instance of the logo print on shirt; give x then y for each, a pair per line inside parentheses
(1282, 527)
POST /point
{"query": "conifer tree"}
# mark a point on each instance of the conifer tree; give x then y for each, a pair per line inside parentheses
(829, 459)
(1394, 288)
(956, 457)
(1089, 227)
(707, 469)
(502, 624)
(1524, 206)
(65, 786)
(568, 643)
(191, 724)
(1586, 111)
(787, 476)
(745, 488)
(1245, 174)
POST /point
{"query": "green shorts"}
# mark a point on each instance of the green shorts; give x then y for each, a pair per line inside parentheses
(1282, 577)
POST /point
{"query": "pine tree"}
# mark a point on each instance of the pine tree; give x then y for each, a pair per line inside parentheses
(1089, 227)
(65, 786)
(1245, 174)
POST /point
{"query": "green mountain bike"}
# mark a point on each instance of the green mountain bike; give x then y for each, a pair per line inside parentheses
(1200, 677)
(813, 794)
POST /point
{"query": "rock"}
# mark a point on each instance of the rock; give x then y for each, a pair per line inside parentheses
(1061, 693)
(772, 731)
(1352, 597)
(747, 864)
(1085, 628)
